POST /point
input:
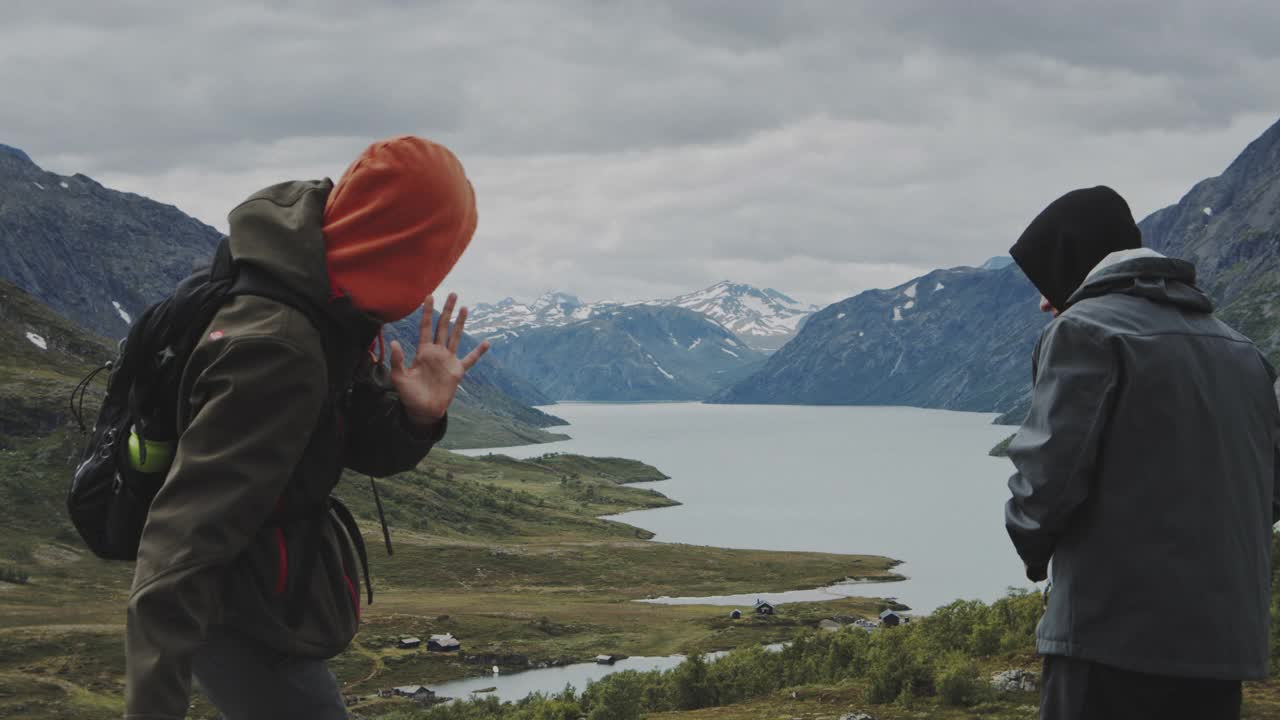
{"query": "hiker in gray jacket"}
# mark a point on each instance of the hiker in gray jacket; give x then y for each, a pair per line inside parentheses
(1147, 472)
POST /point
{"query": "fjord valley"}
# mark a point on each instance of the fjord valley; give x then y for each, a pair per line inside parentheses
(535, 557)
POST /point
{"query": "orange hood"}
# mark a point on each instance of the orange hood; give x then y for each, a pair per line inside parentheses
(396, 224)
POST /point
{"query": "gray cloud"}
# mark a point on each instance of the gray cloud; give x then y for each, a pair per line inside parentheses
(636, 149)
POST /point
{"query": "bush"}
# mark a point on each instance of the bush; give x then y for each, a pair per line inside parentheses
(617, 698)
(690, 686)
(898, 666)
(957, 681)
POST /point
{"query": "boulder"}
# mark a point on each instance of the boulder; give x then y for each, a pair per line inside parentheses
(1014, 681)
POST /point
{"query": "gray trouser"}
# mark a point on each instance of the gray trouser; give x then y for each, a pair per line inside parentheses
(1081, 690)
(246, 681)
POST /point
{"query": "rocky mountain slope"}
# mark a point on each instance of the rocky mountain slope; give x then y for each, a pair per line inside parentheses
(961, 339)
(95, 255)
(99, 257)
(957, 339)
(630, 353)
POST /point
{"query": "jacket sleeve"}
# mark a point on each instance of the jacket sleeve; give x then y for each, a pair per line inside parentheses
(1056, 449)
(253, 409)
(1275, 490)
(380, 439)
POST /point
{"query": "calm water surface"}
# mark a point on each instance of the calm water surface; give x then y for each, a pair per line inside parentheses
(915, 485)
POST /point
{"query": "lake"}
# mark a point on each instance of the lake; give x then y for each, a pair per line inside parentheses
(915, 485)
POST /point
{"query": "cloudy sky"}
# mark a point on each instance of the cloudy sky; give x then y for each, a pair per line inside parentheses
(631, 149)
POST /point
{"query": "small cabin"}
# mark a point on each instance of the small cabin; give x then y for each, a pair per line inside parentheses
(606, 659)
(763, 608)
(735, 615)
(413, 692)
(409, 643)
(889, 618)
(443, 643)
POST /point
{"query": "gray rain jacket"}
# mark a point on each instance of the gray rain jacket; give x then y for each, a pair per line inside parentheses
(1147, 470)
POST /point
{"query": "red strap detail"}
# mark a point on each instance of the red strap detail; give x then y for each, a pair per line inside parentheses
(282, 570)
(380, 343)
(355, 596)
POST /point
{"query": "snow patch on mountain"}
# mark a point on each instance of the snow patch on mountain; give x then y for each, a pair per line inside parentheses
(763, 318)
(123, 315)
(37, 341)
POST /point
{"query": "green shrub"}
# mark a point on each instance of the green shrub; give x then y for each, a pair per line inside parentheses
(617, 698)
(898, 666)
(958, 682)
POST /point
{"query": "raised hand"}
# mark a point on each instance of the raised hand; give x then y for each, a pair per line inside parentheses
(427, 387)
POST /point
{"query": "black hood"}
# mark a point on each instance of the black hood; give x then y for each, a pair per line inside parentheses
(1070, 237)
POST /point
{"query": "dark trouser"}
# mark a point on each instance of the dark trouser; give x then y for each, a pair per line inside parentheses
(246, 681)
(1079, 690)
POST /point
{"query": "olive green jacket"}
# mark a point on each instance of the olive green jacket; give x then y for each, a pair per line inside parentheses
(243, 518)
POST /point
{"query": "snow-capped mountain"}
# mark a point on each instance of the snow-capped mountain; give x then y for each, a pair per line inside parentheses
(632, 353)
(507, 318)
(764, 319)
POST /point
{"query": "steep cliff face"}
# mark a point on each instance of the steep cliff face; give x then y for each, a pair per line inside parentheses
(1230, 227)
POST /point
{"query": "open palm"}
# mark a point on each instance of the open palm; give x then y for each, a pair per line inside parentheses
(427, 386)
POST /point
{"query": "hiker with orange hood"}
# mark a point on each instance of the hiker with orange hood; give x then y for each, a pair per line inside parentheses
(249, 574)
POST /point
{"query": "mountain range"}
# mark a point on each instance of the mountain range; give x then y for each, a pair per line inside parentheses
(98, 257)
(631, 353)
(962, 338)
(764, 319)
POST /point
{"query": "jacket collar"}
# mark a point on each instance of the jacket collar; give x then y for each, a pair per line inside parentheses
(1148, 274)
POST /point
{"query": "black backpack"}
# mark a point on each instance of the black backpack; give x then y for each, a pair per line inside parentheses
(130, 445)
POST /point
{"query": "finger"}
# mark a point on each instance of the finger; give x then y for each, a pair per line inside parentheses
(424, 322)
(474, 356)
(456, 336)
(397, 356)
(446, 317)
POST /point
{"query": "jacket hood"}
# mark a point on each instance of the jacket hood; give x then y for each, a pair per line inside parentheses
(396, 224)
(279, 231)
(1147, 274)
(1070, 237)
